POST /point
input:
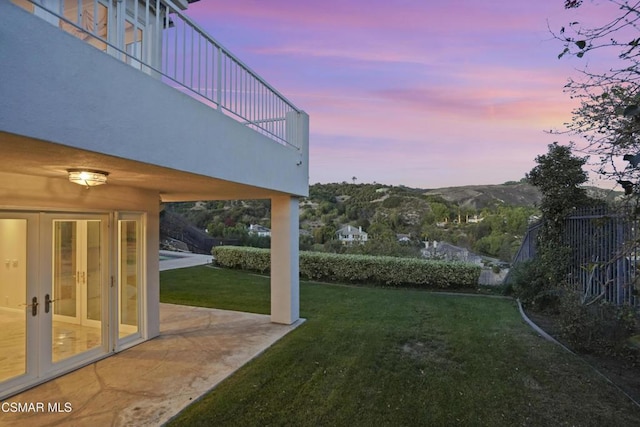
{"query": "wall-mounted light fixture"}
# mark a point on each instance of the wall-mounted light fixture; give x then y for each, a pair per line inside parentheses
(87, 177)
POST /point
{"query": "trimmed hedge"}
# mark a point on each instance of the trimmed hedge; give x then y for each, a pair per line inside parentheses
(366, 269)
(243, 258)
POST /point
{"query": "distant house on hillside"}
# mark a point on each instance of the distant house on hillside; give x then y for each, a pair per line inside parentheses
(349, 235)
(534, 219)
(474, 219)
(403, 238)
(447, 251)
(442, 224)
(304, 232)
(259, 230)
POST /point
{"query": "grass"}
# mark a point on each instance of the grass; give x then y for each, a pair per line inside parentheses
(216, 288)
(371, 356)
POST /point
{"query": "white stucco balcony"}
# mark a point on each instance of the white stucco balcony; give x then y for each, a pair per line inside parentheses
(155, 89)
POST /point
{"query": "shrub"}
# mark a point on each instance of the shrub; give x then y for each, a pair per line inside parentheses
(362, 269)
(243, 258)
(599, 328)
(392, 202)
(531, 284)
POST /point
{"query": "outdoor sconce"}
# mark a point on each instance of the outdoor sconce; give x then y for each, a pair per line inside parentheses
(87, 177)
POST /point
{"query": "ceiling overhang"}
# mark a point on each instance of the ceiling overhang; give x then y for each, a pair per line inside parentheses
(27, 156)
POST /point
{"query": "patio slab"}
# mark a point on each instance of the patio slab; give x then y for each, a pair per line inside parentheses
(148, 384)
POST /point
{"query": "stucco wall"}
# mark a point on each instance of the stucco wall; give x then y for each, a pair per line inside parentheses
(56, 88)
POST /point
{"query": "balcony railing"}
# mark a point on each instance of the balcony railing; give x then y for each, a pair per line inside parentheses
(158, 38)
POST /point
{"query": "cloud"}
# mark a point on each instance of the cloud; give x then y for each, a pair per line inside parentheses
(491, 103)
(412, 92)
(425, 164)
(383, 15)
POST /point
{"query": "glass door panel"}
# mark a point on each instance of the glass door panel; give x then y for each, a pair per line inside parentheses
(77, 282)
(88, 20)
(133, 43)
(14, 310)
(65, 270)
(92, 303)
(25, 4)
(129, 276)
(91, 19)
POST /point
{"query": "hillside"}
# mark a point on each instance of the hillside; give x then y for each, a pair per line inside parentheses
(486, 219)
(509, 194)
(482, 196)
(383, 212)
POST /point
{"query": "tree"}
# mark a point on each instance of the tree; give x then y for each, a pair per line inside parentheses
(381, 231)
(608, 117)
(441, 212)
(324, 234)
(215, 229)
(517, 220)
(558, 175)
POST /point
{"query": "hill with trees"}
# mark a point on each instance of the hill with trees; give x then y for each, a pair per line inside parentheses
(489, 220)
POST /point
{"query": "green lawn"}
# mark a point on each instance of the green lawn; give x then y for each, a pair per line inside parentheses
(372, 357)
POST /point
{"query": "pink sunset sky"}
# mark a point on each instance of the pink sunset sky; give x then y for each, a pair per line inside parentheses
(420, 93)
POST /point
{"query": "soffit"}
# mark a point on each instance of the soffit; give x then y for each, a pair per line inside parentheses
(28, 156)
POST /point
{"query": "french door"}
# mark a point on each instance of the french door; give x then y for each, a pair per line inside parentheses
(120, 23)
(18, 295)
(76, 296)
(59, 292)
(54, 287)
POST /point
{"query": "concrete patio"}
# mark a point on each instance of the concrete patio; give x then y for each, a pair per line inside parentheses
(148, 384)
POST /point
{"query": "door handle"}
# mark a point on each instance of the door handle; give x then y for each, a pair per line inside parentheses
(33, 305)
(47, 303)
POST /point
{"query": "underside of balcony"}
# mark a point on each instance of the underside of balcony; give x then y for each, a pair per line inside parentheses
(30, 157)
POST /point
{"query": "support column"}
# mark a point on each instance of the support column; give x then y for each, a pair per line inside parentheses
(285, 280)
(151, 310)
